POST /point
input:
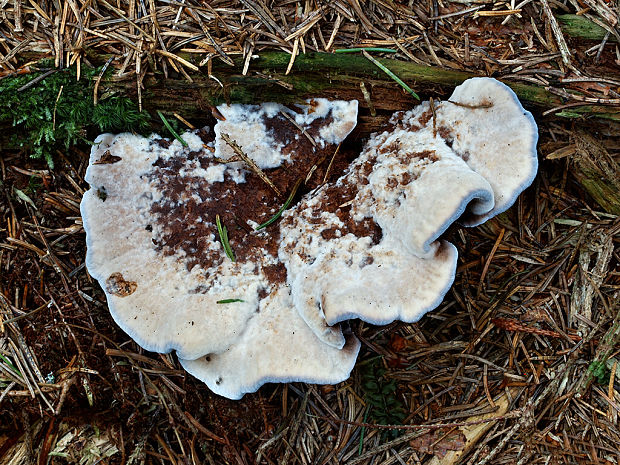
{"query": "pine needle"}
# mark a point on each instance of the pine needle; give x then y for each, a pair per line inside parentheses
(229, 301)
(391, 74)
(361, 446)
(9, 364)
(172, 131)
(284, 207)
(364, 49)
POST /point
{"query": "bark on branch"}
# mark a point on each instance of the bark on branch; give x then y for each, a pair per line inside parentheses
(329, 75)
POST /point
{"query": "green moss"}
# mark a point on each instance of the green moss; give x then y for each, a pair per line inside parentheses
(380, 393)
(582, 27)
(57, 111)
(600, 372)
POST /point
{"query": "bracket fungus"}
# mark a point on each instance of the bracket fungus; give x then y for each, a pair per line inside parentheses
(175, 234)
(351, 247)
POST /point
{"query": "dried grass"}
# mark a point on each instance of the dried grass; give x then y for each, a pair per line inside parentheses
(510, 359)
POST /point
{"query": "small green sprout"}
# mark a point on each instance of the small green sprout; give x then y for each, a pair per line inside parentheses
(223, 233)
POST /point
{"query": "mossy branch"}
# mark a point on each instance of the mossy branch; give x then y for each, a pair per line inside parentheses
(333, 76)
(597, 171)
(581, 27)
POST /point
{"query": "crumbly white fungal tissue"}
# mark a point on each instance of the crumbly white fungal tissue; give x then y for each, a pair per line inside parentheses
(174, 238)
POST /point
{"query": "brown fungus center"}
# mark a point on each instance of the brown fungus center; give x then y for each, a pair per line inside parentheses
(186, 212)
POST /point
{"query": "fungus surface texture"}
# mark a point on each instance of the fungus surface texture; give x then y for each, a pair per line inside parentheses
(174, 239)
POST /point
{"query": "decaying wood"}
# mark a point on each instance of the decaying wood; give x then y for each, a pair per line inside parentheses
(336, 76)
(587, 286)
(588, 280)
(579, 26)
(596, 171)
(327, 75)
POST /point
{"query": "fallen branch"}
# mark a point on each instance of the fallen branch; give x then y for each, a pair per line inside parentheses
(330, 75)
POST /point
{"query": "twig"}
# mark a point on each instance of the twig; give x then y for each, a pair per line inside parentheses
(37, 80)
(509, 324)
(98, 80)
(366, 94)
(56, 106)
(248, 161)
(204, 430)
(331, 162)
(557, 32)
(581, 98)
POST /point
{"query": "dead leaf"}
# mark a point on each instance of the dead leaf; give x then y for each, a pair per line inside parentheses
(535, 315)
(398, 343)
(398, 362)
(438, 442)
(107, 159)
(592, 86)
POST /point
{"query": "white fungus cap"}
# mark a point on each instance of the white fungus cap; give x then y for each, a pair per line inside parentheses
(276, 347)
(410, 183)
(367, 246)
(160, 260)
(496, 136)
(151, 296)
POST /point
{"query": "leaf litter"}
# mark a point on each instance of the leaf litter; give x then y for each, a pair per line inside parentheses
(532, 321)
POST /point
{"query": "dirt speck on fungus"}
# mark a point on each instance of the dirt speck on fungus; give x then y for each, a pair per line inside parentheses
(119, 286)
